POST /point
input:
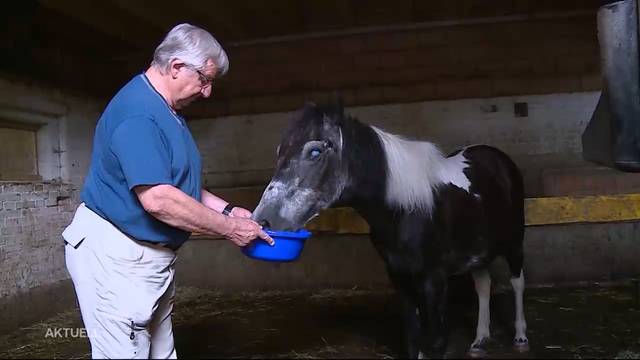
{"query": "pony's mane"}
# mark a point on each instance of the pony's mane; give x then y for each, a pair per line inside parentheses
(415, 169)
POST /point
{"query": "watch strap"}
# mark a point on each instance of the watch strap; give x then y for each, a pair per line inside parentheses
(227, 209)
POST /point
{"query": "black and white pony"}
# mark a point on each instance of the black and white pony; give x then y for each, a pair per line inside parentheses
(430, 216)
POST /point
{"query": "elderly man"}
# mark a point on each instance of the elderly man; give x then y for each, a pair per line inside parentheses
(142, 198)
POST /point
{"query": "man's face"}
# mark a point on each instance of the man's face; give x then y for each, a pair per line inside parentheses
(194, 83)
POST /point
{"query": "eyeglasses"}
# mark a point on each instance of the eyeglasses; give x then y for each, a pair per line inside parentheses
(204, 79)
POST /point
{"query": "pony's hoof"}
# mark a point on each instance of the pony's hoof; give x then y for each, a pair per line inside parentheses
(521, 345)
(478, 349)
(477, 353)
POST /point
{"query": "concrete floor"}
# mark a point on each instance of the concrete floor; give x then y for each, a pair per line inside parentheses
(592, 322)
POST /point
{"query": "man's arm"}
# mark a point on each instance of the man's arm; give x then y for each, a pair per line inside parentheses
(213, 202)
(172, 206)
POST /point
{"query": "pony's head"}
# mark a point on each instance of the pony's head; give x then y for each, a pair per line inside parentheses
(310, 172)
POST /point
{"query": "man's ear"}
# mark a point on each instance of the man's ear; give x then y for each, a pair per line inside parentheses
(174, 67)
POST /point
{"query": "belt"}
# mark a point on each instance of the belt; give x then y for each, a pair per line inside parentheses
(171, 246)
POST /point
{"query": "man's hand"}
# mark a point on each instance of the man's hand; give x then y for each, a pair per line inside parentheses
(241, 212)
(243, 231)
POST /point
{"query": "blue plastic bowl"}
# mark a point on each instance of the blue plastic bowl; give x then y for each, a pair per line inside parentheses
(288, 246)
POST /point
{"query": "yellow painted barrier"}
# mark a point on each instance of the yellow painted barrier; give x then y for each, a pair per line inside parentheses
(584, 209)
(538, 211)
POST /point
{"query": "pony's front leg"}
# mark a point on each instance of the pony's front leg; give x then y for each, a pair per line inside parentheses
(435, 318)
(411, 322)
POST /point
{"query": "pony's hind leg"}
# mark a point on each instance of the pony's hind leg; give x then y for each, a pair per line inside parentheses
(482, 282)
(520, 341)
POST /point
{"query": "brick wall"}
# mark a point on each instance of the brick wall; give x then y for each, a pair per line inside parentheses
(516, 56)
(32, 218)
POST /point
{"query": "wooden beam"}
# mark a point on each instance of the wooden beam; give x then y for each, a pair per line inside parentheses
(224, 20)
(16, 125)
(52, 49)
(155, 12)
(213, 16)
(110, 19)
(248, 20)
(322, 15)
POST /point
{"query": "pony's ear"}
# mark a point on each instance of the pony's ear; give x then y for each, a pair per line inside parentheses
(338, 106)
(338, 101)
(308, 109)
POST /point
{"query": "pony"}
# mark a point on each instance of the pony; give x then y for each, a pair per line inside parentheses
(430, 216)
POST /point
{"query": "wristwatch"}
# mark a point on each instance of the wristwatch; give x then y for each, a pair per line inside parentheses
(227, 209)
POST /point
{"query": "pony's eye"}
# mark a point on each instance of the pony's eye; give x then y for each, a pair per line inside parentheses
(313, 150)
(315, 153)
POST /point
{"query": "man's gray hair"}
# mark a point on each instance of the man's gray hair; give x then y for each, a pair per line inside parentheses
(192, 45)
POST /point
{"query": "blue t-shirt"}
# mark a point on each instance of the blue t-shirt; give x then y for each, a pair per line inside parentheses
(139, 140)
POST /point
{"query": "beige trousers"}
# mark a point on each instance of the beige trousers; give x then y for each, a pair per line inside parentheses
(125, 289)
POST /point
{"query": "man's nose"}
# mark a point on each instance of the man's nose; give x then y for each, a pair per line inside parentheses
(206, 91)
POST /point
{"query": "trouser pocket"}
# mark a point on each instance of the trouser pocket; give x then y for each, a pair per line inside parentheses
(119, 337)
